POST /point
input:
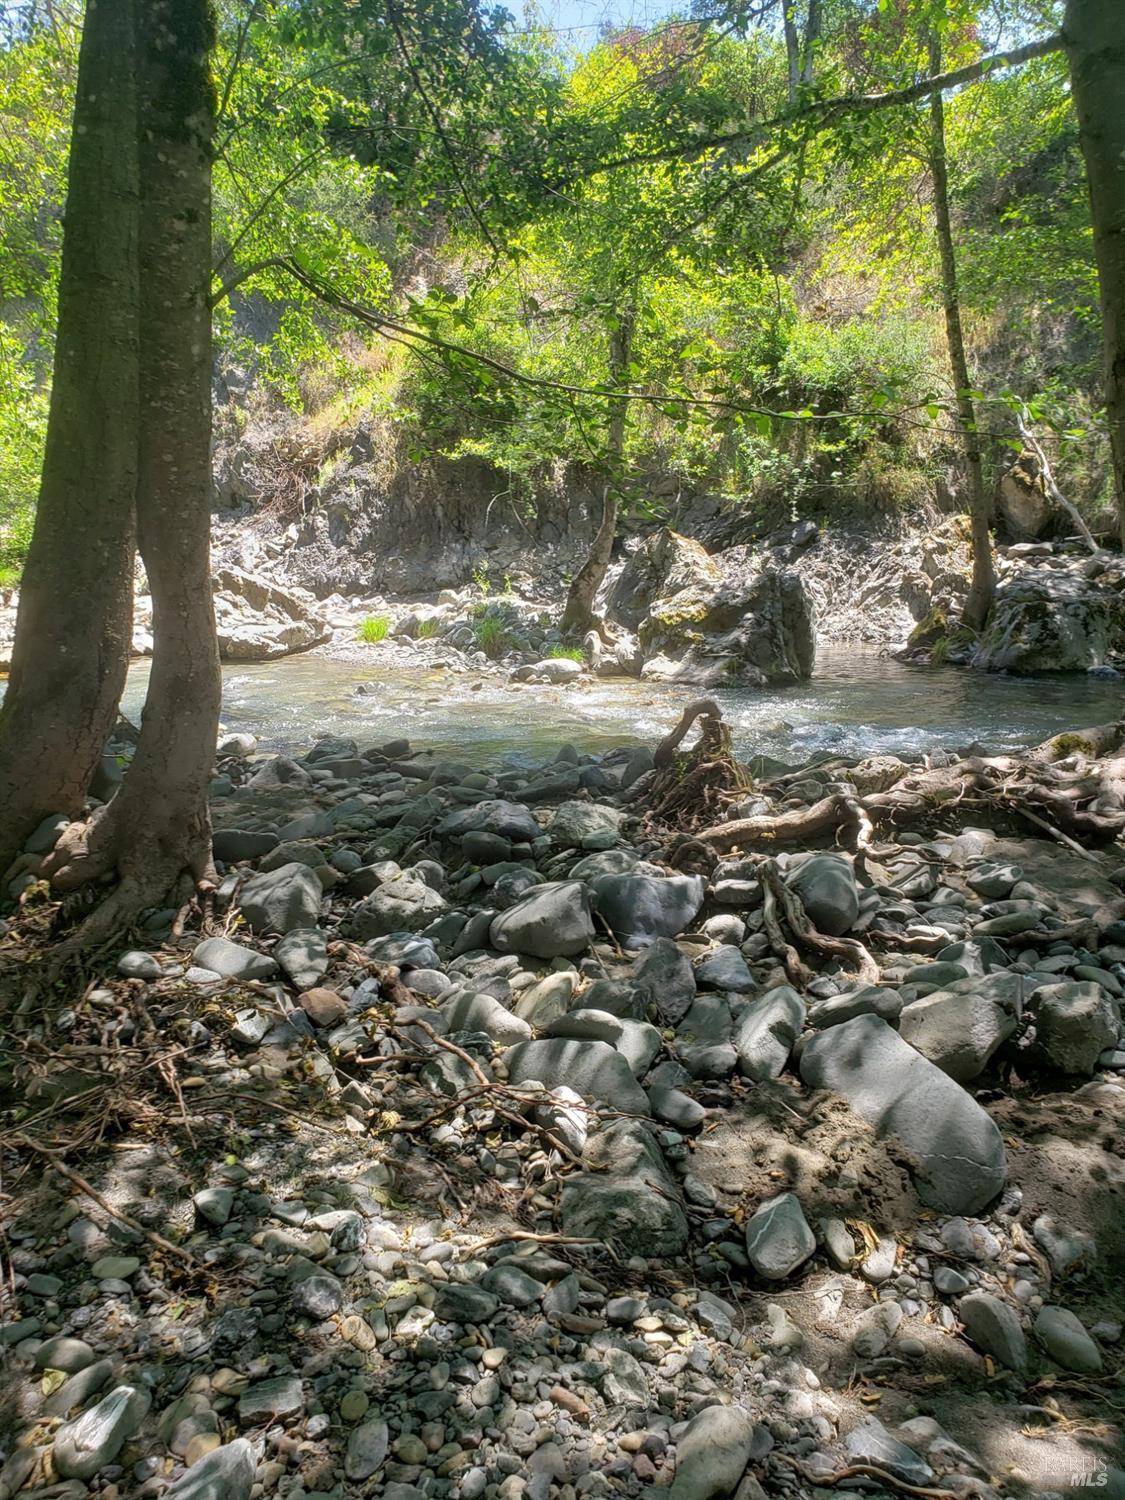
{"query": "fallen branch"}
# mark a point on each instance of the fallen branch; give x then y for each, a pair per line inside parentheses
(91, 1192)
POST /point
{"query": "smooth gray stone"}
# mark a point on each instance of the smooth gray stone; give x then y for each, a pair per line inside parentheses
(552, 921)
(778, 1237)
(712, 1453)
(640, 908)
(226, 1473)
(233, 960)
(962, 1163)
(994, 1327)
(764, 1033)
(280, 900)
(593, 1069)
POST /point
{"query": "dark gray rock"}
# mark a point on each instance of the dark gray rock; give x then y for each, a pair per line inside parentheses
(233, 960)
(994, 1327)
(234, 844)
(552, 921)
(303, 955)
(507, 820)
(402, 904)
(960, 1152)
(959, 1032)
(593, 1069)
(778, 1237)
(712, 1453)
(640, 908)
(667, 974)
(826, 885)
(637, 1041)
(764, 1033)
(226, 1473)
(630, 1198)
(1074, 1022)
(280, 900)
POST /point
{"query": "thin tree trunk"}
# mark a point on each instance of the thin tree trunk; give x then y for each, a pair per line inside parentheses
(792, 49)
(578, 614)
(158, 826)
(1094, 34)
(982, 589)
(76, 598)
(812, 36)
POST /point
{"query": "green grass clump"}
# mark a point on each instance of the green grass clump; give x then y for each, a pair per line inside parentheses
(373, 630)
(491, 635)
(428, 629)
(566, 653)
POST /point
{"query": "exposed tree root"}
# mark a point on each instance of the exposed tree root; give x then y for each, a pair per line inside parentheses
(799, 923)
(686, 787)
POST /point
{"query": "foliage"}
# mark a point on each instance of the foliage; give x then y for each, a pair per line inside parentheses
(491, 628)
(373, 629)
(566, 653)
(498, 197)
(429, 630)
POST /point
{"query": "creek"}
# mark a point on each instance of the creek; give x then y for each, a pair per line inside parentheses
(857, 703)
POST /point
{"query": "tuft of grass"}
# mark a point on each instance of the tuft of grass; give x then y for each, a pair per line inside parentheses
(491, 635)
(566, 653)
(9, 576)
(428, 629)
(373, 630)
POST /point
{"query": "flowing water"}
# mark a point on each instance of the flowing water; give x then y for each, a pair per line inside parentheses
(857, 703)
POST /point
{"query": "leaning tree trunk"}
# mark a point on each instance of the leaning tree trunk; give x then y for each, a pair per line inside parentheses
(75, 614)
(578, 615)
(982, 589)
(158, 827)
(1094, 33)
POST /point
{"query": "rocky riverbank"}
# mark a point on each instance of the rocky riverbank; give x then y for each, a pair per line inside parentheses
(472, 1149)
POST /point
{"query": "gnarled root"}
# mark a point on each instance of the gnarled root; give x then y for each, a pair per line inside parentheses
(799, 923)
(688, 786)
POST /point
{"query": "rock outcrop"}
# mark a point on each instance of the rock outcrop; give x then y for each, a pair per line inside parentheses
(694, 627)
(258, 621)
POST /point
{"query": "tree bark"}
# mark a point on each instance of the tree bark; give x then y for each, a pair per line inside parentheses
(158, 826)
(982, 590)
(1094, 36)
(578, 613)
(75, 614)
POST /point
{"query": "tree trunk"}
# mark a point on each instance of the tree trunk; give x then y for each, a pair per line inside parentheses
(792, 49)
(578, 614)
(982, 590)
(1094, 34)
(75, 614)
(158, 826)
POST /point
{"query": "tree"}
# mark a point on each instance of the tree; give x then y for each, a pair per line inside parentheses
(982, 590)
(157, 827)
(73, 629)
(1094, 33)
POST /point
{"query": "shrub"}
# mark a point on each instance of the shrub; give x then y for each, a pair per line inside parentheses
(567, 653)
(373, 630)
(428, 630)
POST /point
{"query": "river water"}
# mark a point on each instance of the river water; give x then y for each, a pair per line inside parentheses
(857, 703)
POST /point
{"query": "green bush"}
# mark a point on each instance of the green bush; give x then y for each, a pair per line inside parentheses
(428, 630)
(373, 630)
(566, 653)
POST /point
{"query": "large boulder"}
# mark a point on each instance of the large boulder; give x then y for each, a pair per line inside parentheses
(1055, 620)
(1022, 502)
(628, 1197)
(960, 1157)
(257, 621)
(759, 632)
(640, 908)
(553, 921)
(665, 565)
